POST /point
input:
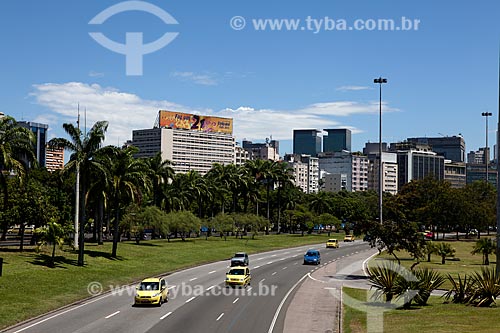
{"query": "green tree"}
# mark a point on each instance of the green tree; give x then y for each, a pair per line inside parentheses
(84, 148)
(129, 179)
(485, 246)
(444, 250)
(223, 223)
(53, 234)
(16, 146)
(183, 222)
(160, 172)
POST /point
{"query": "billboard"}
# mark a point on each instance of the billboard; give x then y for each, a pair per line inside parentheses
(195, 122)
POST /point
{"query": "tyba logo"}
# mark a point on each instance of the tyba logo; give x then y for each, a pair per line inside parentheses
(134, 48)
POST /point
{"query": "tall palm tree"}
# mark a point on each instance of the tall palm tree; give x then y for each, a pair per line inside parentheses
(485, 246)
(16, 145)
(84, 148)
(284, 178)
(225, 177)
(128, 180)
(160, 173)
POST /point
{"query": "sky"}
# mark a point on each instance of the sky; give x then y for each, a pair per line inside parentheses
(223, 59)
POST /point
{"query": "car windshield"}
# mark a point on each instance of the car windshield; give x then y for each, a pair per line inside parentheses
(149, 286)
(237, 272)
(332, 240)
(239, 255)
(311, 253)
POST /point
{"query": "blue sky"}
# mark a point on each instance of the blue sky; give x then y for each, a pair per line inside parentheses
(441, 76)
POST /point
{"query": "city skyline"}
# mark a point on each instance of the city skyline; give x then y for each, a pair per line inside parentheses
(441, 77)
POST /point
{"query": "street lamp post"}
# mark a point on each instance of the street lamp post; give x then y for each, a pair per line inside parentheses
(380, 81)
(487, 150)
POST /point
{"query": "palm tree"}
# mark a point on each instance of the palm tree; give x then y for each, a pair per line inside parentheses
(444, 250)
(128, 177)
(84, 148)
(485, 246)
(16, 145)
(54, 234)
(160, 173)
(225, 177)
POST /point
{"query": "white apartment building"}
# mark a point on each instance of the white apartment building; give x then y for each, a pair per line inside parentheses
(186, 149)
(337, 163)
(334, 182)
(241, 155)
(389, 172)
(360, 166)
(305, 170)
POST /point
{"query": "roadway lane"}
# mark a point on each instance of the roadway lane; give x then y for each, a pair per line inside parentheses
(197, 299)
(251, 309)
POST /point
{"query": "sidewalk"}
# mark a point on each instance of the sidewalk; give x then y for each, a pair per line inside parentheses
(316, 306)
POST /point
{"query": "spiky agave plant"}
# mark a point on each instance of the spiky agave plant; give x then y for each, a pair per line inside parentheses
(428, 280)
(461, 289)
(384, 279)
(486, 287)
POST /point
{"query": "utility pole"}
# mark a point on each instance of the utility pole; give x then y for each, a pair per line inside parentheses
(380, 81)
(77, 191)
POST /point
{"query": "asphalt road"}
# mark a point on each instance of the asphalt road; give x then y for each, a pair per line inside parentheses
(199, 302)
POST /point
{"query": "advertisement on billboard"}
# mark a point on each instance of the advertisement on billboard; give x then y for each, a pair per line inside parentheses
(195, 122)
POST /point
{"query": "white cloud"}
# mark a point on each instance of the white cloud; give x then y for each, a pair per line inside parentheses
(353, 88)
(202, 79)
(123, 111)
(126, 112)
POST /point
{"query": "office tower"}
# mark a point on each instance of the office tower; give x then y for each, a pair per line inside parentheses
(306, 142)
(337, 140)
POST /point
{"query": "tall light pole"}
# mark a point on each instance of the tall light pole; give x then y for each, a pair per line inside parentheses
(487, 149)
(498, 182)
(380, 81)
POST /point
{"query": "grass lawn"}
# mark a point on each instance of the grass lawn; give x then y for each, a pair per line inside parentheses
(29, 287)
(464, 263)
(436, 317)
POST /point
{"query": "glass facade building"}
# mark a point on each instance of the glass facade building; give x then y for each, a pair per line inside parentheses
(306, 142)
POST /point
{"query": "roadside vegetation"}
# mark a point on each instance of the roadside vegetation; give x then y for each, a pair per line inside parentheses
(31, 285)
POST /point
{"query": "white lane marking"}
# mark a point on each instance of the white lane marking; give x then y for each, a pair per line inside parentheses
(249, 288)
(274, 255)
(189, 300)
(283, 259)
(256, 267)
(295, 256)
(219, 317)
(296, 263)
(284, 267)
(170, 287)
(274, 273)
(261, 281)
(111, 315)
(269, 262)
(193, 279)
(211, 272)
(61, 313)
(271, 328)
(165, 315)
(210, 288)
(287, 252)
(236, 300)
(364, 264)
(258, 259)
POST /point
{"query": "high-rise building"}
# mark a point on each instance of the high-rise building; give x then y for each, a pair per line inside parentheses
(451, 147)
(40, 132)
(478, 157)
(337, 139)
(389, 172)
(190, 142)
(360, 165)
(338, 163)
(54, 158)
(241, 155)
(455, 173)
(416, 164)
(263, 151)
(305, 169)
(306, 142)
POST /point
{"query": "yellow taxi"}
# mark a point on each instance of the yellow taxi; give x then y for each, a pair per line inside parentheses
(332, 243)
(152, 291)
(349, 238)
(238, 276)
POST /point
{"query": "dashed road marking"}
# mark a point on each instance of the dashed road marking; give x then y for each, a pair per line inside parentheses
(219, 317)
(236, 300)
(274, 273)
(189, 300)
(193, 279)
(165, 315)
(210, 288)
(256, 267)
(111, 315)
(211, 272)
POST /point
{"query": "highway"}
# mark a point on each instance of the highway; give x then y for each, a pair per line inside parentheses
(199, 302)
